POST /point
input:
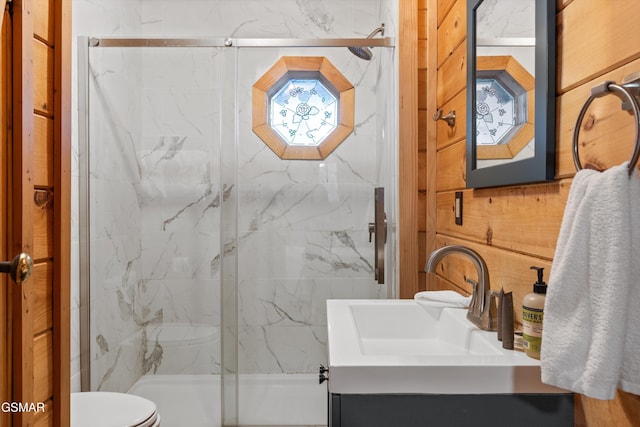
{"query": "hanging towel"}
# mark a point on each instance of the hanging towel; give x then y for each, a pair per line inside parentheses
(442, 299)
(586, 306)
(630, 377)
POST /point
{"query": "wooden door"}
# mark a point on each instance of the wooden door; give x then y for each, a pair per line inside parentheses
(5, 138)
(35, 211)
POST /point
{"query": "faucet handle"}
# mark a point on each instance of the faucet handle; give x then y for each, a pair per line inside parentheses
(473, 306)
(499, 295)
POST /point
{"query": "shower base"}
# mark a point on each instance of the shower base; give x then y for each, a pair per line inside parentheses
(264, 399)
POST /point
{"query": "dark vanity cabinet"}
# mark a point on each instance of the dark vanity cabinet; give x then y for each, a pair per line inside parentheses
(427, 410)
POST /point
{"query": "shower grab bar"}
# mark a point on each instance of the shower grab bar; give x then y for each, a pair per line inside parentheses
(240, 42)
(623, 93)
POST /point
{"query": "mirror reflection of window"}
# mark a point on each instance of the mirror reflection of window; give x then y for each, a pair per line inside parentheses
(504, 109)
(505, 28)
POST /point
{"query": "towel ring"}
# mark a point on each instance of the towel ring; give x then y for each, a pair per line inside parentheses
(598, 92)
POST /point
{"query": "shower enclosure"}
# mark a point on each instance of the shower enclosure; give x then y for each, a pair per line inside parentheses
(206, 260)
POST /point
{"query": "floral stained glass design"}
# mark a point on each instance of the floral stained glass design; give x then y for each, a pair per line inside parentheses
(303, 112)
(496, 114)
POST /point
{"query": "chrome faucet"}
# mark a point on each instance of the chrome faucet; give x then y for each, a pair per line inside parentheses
(482, 310)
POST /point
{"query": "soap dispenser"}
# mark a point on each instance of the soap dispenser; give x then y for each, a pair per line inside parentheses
(532, 316)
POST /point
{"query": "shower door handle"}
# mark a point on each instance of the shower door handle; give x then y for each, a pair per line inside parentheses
(378, 229)
(19, 268)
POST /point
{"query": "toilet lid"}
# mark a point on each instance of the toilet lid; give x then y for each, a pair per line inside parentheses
(106, 409)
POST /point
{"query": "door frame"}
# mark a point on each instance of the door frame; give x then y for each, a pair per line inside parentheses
(23, 75)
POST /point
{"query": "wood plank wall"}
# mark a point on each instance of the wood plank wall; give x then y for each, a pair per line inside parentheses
(514, 228)
(408, 135)
(43, 29)
(51, 213)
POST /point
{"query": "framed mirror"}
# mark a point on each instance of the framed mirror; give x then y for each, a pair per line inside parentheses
(511, 96)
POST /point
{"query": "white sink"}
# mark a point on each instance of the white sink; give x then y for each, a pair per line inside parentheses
(409, 329)
(400, 346)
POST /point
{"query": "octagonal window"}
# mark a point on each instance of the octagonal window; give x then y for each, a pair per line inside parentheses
(505, 107)
(303, 112)
(303, 108)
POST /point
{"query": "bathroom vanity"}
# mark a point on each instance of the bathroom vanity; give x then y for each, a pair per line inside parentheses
(397, 363)
(420, 410)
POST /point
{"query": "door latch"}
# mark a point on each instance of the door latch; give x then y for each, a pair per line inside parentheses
(323, 374)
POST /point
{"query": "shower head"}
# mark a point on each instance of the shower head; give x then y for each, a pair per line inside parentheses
(361, 52)
(364, 52)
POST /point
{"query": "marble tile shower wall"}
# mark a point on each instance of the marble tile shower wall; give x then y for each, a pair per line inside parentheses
(302, 225)
(115, 220)
(155, 231)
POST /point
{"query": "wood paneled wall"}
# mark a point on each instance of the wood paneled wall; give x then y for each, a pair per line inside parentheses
(42, 280)
(409, 88)
(516, 227)
(51, 210)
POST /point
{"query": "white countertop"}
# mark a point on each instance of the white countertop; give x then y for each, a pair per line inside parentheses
(398, 346)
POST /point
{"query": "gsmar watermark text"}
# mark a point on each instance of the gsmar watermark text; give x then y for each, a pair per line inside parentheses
(22, 407)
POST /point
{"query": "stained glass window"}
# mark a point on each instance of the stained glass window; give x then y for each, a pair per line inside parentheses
(303, 108)
(495, 111)
(303, 112)
(504, 107)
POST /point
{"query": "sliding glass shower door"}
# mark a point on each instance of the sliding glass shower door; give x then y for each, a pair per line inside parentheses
(208, 259)
(151, 222)
(303, 232)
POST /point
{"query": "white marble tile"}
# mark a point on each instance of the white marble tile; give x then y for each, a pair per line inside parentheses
(282, 254)
(175, 348)
(177, 179)
(114, 210)
(156, 220)
(180, 68)
(191, 301)
(189, 254)
(256, 18)
(116, 371)
(286, 349)
(106, 17)
(298, 302)
(297, 207)
(506, 18)
(185, 112)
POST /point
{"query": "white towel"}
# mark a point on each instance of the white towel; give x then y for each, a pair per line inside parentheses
(586, 307)
(442, 299)
(630, 377)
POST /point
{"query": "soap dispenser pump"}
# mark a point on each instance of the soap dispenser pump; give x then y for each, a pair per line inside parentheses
(532, 316)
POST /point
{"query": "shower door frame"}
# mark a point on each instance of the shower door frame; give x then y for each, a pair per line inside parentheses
(229, 372)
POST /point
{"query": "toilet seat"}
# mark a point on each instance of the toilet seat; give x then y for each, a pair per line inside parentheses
(153, 421)
(107, 409)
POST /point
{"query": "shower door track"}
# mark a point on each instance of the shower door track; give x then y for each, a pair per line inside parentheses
(240, 42)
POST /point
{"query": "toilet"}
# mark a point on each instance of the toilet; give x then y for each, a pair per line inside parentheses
(107, 409)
